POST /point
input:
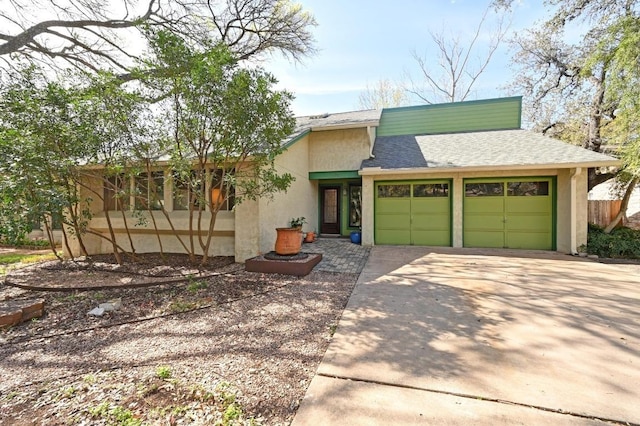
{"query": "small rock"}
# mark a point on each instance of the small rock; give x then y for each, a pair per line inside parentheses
(593, 256)
(111, 305)
(96, 312)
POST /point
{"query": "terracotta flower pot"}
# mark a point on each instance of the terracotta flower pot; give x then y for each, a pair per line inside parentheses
(311, 236)
(288, 241)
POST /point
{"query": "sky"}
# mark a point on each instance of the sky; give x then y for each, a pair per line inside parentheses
(363, 41)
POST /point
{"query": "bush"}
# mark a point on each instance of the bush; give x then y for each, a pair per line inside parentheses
(620, 243)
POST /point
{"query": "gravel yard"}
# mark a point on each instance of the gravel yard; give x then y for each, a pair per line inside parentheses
(216, 345)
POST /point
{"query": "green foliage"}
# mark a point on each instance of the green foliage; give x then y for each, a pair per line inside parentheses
(163, 372)
(195, 286)
(114, 415)
(296, 222)
(620, 243)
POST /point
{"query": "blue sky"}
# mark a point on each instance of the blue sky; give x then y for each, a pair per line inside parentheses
(363, 41)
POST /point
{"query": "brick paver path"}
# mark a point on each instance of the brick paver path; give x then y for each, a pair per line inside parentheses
(338, 255)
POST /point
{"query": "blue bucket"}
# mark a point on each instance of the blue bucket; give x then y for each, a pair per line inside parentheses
(356, 237)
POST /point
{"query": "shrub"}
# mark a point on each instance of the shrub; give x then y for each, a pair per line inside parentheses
(620, 243)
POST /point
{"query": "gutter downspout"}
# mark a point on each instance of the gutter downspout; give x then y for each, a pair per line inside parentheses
(371, 132)
(574, 203)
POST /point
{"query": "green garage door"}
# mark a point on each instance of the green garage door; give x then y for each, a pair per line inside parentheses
(413, 213)
(509, 213)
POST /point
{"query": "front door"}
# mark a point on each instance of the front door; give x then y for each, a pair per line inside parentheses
(330, 212)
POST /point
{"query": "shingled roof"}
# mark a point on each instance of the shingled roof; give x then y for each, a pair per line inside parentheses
(490, 149)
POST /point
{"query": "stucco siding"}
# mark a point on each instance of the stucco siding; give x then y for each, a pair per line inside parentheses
(145, 240)
(336, 150)
(299, 200)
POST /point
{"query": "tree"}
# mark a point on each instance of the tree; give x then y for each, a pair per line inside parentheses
(383, 94)
(95, 35)
(566, 85)
(459, 68)
(50, 130)
(213, 149)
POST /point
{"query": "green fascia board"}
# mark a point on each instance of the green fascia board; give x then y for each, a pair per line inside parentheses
(343, 174)
(296, 138)
(454, 117)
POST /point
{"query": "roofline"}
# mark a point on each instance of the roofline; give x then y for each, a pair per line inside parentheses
(373, 171)
(450, 104)
(345, 126)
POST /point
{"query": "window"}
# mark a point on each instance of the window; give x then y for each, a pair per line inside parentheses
(490, 189)
(394, 191)
(149, 191)
(116, 193)
(355, 205)
(185, 191)
(526, 189)
(222, 192)
(431, 190)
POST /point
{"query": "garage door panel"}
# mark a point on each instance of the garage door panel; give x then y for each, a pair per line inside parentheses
(393, 205)
(528, 222)
(393, 236)
(430, 205)
(480, 222)
(492, 239)
(393, 221)
(431, 237)
(430, 222)
(485, 205)
(529, 240)
(528, 205)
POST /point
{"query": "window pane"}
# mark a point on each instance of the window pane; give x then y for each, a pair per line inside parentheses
(355, 205)
(524, 189)
(330, 206)
(150, 191)
(188, 190)
(394, 191)
(116, 193)
(222, 191)
(491, 189)
(431, 190)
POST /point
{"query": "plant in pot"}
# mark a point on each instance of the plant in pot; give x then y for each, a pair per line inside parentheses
(297, 222)
(289, 240)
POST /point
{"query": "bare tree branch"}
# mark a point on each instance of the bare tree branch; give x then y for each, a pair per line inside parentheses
(458, 72)
(106, 34)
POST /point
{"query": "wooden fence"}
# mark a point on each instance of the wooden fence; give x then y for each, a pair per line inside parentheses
(602, 212)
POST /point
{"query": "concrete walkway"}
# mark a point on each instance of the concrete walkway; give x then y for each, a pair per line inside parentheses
(455, 336)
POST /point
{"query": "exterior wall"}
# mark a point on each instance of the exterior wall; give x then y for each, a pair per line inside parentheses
(299, 200)
(563, 196)
(335, 150)
(490, 114)
(144, 236)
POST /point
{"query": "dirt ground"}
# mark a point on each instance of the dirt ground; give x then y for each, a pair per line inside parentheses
(188, 345)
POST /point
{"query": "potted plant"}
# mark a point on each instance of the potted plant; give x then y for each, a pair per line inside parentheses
(289, 240)
(310, 237)
(297, 222)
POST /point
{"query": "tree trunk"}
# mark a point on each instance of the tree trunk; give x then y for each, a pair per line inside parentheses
(623, 207)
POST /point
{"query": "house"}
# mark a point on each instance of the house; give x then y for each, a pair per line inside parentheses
(459, 174)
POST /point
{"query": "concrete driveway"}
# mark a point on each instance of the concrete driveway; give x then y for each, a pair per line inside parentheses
(459, 336)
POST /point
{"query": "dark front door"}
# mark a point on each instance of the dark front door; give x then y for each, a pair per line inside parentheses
(330, 212)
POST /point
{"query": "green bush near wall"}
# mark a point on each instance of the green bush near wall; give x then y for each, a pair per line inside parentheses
(621, 243)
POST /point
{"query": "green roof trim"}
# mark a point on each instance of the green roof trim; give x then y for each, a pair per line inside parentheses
(454, 117)
(344, 174)
(296, 138)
